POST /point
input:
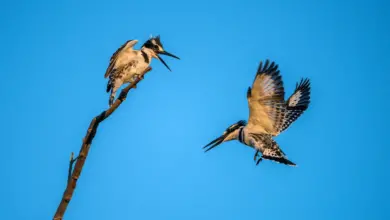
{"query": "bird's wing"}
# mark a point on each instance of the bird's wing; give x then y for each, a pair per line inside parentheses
(297, 103)
(266, 100)
(126, 46)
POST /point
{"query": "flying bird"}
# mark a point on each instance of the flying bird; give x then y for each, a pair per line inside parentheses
(269, 114)
(126, 64)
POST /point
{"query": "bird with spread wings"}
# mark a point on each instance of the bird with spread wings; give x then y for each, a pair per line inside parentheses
(269, 114)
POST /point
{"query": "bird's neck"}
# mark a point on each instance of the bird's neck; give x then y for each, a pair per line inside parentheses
(149, 52)
(241, 135)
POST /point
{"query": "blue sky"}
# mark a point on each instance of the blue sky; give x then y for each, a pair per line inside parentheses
(146, 161)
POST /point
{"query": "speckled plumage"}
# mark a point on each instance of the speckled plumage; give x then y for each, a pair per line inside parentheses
(269, 114)
(126, 64)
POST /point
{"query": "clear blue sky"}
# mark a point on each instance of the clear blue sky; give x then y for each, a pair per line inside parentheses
(146, 161)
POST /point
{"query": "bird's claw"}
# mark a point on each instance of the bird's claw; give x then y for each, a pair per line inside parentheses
(255, 158)
(256, 154)
(259, 160)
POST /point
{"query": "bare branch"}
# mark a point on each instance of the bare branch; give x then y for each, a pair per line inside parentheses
(87, 141)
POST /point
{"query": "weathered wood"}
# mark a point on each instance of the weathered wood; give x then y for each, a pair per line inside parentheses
(74, 174)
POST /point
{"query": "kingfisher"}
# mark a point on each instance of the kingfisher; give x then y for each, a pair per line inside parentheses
(126, 64)
(269, 114)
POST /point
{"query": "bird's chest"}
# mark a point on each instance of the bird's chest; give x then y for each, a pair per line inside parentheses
(258, 140)
(134, 66)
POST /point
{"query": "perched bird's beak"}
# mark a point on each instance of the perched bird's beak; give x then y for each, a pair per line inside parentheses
(214, 143)
(168, 54)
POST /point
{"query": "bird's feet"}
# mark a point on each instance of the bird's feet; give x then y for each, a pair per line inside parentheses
(138, 77)
(134, 78)
(256, 155)
(255, 158)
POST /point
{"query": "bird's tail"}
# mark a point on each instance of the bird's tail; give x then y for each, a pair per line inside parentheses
(111, 100)
(273, 152)
(111, 87)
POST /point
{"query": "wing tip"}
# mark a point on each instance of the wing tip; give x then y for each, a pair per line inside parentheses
(304, 87)
(268, 68)
(304, 84)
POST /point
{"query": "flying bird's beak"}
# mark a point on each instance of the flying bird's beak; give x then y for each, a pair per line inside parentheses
(168, 54)
(214, 143)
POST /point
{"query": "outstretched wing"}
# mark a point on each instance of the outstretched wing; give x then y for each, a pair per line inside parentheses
(266, 100)
(297, 103)
(126, 46)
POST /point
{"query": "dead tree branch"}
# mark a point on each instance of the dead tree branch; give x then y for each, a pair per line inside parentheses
(74, 174)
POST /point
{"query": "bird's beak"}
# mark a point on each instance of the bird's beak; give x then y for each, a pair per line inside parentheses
(214, 143)
(168, 54)
(162, 61)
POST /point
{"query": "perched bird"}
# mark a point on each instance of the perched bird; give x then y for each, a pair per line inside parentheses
(269, 114)
(126, 64)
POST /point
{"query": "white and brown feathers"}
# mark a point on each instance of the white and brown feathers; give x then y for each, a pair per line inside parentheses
(117, 59)
(296, 104)
(121, 68)
(268, 111)
(270, 114)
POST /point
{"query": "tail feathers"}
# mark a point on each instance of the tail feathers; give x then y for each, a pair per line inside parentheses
(282, 160)
(273, 152)
(112, 97)
(109, 86)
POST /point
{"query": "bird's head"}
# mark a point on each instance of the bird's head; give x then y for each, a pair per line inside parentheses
(229, 134)
(155, 45)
